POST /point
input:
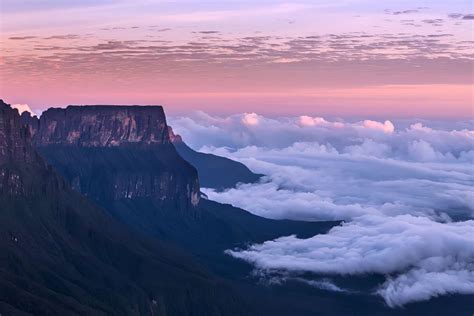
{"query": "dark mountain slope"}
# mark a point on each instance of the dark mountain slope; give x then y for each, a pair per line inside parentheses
(214, 171)
(61, 255)
(217, 228)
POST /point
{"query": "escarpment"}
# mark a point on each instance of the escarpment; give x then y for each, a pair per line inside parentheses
(16, 153)
(111, 153)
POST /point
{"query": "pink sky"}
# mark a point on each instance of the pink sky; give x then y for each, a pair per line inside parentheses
(398, 59)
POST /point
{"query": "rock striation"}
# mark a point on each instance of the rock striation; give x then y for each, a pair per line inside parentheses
(103, 126)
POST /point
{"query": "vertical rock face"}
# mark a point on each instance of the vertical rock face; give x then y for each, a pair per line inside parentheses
(111, 153)
(15, 148)
(31, 122)
(14, 138)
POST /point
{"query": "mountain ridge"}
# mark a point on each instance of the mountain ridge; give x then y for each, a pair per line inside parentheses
(215, 172)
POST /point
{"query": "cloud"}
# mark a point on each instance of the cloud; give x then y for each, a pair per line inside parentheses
(405, 12)
(379, 59)
(21, 38)
(404, 188)
(310, 121)
(386, 127)
(314, 182)
(455, 15)
(23, 108)
(323, 284)
(305, 120)
(367, 244)
(63, 37)
(421, 284)
(434, 22)
(250, 119)
(207, 32)
(422, 258)
(201, 129)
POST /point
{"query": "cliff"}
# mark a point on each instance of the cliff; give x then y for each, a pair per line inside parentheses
(103, 126)
(15, 150)
(111, 153)
(15, 143)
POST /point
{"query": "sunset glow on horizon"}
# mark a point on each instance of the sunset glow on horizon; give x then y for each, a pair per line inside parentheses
(344, 58)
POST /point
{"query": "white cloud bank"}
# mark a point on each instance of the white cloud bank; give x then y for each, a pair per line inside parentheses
(405, 190)
(23, 108)
(435, 258)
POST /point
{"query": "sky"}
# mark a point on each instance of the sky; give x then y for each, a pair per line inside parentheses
(343, 58)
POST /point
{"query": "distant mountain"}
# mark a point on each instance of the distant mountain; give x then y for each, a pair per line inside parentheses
(62, 255)
(214, 171)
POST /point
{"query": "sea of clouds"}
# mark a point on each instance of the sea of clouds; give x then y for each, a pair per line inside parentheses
(404, 189)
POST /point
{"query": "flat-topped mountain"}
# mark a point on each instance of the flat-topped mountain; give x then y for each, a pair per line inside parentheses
(112, 153)
(103, 126)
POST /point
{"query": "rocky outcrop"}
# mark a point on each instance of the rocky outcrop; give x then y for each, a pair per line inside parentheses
(117, 152)
(174, 138)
